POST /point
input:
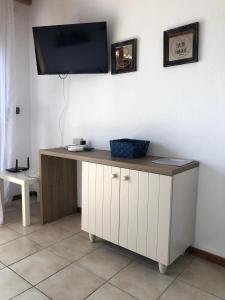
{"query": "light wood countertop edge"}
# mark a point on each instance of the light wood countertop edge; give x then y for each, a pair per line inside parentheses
(118, 162)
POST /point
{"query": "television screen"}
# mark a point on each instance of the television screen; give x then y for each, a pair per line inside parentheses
(71, 49)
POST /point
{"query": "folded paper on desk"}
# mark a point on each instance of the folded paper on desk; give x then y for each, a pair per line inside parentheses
(172, 161)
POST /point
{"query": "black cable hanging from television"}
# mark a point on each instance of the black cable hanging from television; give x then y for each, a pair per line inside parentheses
(65, 102)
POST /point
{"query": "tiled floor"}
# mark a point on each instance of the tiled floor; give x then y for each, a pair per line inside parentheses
(57, 261)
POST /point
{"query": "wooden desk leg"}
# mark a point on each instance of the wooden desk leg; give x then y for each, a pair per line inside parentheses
(1, 201)
(26, 204)
(38, 192)
(58, 188)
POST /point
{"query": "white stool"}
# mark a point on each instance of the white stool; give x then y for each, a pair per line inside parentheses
(24, 179)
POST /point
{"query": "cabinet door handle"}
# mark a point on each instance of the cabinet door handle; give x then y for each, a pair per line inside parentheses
(114, 176)
(125, 178)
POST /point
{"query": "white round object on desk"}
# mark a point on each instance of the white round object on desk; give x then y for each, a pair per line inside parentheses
(75, 148)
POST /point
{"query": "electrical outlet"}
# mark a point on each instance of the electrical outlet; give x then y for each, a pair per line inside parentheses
(17, 110)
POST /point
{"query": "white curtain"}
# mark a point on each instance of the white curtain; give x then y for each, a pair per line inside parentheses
(7, 97)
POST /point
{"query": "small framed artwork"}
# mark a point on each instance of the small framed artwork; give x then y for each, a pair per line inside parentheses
(124, 57)
(181, 45)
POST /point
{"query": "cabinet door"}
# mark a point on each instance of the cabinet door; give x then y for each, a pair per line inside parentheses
(128, 209)
(153, 215)
(115, 206)
(111, 204)
(139, 200)
(88, 222)
(148, 203)
(100, 200)
(85, 196)
(124, 205)
(92, 198)
(106, 205)
(133, 211)
(143, 199)
(164, 219)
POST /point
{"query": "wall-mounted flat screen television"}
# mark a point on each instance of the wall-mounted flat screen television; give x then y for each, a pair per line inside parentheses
(71, 49)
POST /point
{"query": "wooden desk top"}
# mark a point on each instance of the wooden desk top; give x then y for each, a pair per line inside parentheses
(104, 157)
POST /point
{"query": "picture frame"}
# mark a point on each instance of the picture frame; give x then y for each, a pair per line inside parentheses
(124, 57)
(181, 45)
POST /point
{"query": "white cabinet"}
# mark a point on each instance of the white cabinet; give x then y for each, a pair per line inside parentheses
(151, 214)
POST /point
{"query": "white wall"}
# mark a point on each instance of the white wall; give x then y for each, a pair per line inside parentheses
(180, 109)
(22, 149)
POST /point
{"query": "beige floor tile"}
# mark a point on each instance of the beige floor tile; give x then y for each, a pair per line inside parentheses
(35, 209)
(109, 292)
(175, 269)
(1, 266)
(142, 281)
(74, 248)
(15, 216)
(7, 235)
(180, 265)
(18, 227)
(179, 290)
(17, 205)
(32, 294)
(17, 250)
(11, 284)
(39, 266)
(85, 235)
(12, 216)
(71, 283)
(52, 233)
(207, 276)
(123, 251)
(13, 213)
(104, 262)
(72, 221)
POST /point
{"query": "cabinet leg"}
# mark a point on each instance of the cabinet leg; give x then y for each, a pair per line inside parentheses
(92, 238)
(162, 268)
(38, 192)
(26, 204)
